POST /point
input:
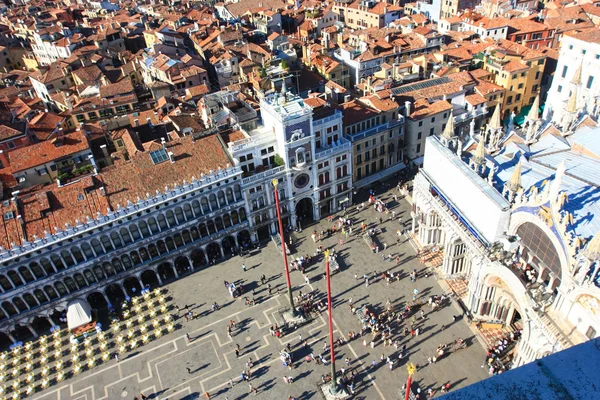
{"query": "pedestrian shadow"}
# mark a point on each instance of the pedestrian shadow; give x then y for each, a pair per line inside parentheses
(200, 335)
(307, 395)
(200, 368)
(303, 375)
(458, 382)
(191, 396)
(262, 360)
(260, 371)
(266, 385)
(157, 394)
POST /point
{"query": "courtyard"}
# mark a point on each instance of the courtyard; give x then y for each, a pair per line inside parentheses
(173, 368)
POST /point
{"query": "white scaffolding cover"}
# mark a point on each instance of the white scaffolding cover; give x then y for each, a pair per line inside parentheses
(79, 313)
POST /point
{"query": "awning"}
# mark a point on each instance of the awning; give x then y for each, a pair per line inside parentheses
(379, 176)
(79, 312)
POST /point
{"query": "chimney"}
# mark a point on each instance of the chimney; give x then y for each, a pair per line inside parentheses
(104, 150)
(407, 108)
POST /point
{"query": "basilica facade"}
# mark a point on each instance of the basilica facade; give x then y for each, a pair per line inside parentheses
(516, 218)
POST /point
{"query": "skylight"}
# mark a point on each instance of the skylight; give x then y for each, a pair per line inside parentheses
(159, 156)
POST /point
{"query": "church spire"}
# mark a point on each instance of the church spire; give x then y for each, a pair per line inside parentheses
(592, 250)
(534, 112)
(572, 102)
(577, 76)
(496, 121)
(449, 129)
(515, 180)
(479, 156)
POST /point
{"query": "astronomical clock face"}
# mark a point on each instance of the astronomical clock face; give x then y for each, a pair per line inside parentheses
(301, 181)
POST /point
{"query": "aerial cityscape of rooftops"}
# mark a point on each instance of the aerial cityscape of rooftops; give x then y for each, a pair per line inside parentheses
(299, 199)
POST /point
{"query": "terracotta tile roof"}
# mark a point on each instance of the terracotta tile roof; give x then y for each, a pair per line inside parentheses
(587, 35)
(43, 124)
(140, 175)
(122, 87)
(8, 131)
(355, 111)
(232, 136)
(422, 108)
(24, 158)
(475, 99)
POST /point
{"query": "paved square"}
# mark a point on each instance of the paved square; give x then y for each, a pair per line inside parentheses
(159, 370)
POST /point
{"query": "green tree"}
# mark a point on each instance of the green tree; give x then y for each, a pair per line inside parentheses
(284, 64)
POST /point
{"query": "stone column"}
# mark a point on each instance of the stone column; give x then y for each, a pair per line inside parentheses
(448, 257)
(33, 331)
(11, 337)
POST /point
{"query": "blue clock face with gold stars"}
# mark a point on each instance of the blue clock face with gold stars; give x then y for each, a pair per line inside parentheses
(301, 181)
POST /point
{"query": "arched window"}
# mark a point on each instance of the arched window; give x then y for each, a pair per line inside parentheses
(178, 240)
(40, 296)
(170, 244)
(61, 289)
(106, 243)
(135, 232)
(87, 250)
(98, 246)
(118, 266)
(143, 227)
(226, 220)
(125, 235)
(57, 262)
(98, 272)
(230, 196)
(185, 236)
(213, 201)
(77, 255)
(179, 215)
(79, 280)
(219, 224)
(221, 198)
(30, 300)
(211, 227)
(153, 225)
(110, 271)
(194, 233)
(162, 222)
(187, 211)
(26, 274)
(238, 191)
(205, 206)
(50, 292)
(203, 231)
(243, 214)
(5, 283)
(20, 304)
(47, 266)
(196, 207)
(70, 283)
(37, 270)
(67, 257)
(234, 217)
(89, 276)
(15, 278)
(116, 238)
(171, 218)
(300, 156)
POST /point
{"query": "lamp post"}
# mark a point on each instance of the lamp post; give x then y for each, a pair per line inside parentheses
(333, 389)
(411, 370)
(283, 244)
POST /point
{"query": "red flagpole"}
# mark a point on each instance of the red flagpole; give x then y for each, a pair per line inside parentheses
(283, 245)
(334, 387)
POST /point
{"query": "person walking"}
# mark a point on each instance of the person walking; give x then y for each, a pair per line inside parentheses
(244, 267)
(189, 371)
(187, 337)
(252, 389)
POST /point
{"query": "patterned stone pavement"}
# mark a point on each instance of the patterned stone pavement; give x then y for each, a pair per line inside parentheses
(160, 370)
